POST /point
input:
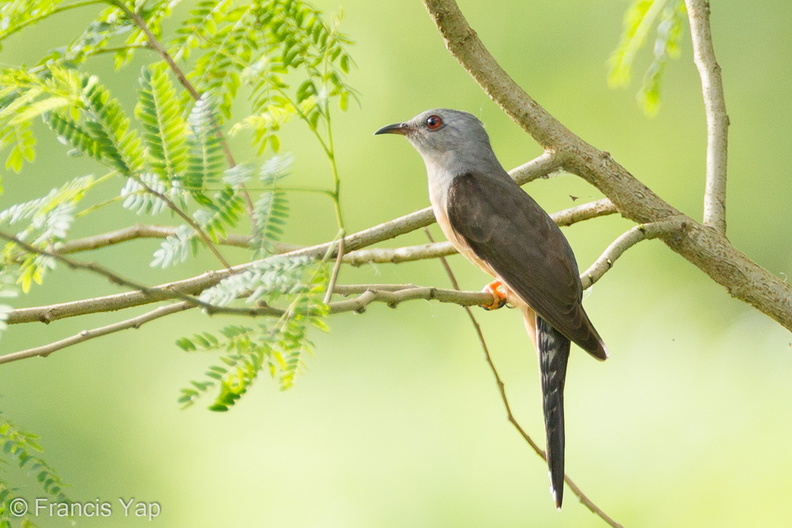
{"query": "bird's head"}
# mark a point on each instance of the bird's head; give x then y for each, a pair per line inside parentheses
(443, 133)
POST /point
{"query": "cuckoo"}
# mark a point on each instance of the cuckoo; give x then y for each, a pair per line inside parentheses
(496, 225)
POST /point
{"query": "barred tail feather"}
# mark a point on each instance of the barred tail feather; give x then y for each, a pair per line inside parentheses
(553, 350)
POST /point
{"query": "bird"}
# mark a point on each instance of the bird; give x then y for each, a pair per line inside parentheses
(497, 226)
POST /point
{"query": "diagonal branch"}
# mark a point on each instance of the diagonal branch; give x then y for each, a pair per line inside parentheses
(715, 109)
(184, 216)
(566, 217)
(582, 497)
(703, 246)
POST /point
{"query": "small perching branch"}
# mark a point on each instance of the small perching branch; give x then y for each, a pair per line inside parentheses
(196, 285)
(85, 335)
(139, 231)
(362, 295)
(715, 109)
(625, 242)
(704, 246)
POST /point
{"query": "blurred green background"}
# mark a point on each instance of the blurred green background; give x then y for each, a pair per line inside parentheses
(397, 420)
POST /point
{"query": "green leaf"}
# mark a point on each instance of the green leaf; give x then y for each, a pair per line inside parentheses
(165, 130)
(23, 142)
(23, 448)
(205, 160)
(639, 19)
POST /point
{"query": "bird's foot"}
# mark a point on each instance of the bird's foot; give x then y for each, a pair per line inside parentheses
(495, 288)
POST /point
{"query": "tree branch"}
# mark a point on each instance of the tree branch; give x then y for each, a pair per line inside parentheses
(138, 231)
(715, 109)
(196, 285)
(152, 294)
(703, 246)
(365, 294)
(566, 217)
(625, 242)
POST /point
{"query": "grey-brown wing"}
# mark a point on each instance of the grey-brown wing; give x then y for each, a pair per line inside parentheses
(506, 228)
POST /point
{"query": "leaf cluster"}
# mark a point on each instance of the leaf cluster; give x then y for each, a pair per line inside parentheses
(296, 283)
(170, 153)
(668, 17)
(22, 448)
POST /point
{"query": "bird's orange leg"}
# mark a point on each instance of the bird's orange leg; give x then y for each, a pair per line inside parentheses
(495, 288)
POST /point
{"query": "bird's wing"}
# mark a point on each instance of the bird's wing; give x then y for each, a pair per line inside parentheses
(508, 230)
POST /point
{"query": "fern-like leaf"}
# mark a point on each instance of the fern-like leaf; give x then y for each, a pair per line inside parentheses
(271, 210)
(164, 128)
(23, 449)
(205, 150)
(297, 283)
(48, 220)
(22, 142)
(109, 125)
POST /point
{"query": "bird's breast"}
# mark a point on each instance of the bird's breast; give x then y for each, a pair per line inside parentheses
(438, 195)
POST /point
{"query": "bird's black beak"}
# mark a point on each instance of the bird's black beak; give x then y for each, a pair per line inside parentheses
(396, 128)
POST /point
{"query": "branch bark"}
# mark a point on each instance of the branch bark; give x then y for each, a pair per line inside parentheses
(364, 295)
(715, 109)
(195, 285)
(531, 170)
(703, 246)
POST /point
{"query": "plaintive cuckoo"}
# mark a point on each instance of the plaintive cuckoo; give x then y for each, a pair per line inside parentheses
(497, 226)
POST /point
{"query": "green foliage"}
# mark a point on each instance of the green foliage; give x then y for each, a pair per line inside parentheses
(271, 210)
(205, 159)
(47, 221)
(296, 283)
(22, 448)
(170, 153)
(164, 127)
(640, 18)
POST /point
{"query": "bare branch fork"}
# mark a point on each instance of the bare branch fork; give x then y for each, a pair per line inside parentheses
(705, 246)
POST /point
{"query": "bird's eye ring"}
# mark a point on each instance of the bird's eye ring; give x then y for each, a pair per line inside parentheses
(433, 122)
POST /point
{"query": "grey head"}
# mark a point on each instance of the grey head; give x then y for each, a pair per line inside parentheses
(449, 141)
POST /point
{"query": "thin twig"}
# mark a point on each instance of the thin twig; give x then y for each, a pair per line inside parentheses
(336, 268)
(155, 44)
(153, 294)
(139, 231)
(364, 295)
(353, 242)
(184, 216)
(627, 240)
(715, 109)
(505, 399)
(85, 335)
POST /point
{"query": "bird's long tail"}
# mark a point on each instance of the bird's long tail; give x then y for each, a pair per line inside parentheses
(553, 351)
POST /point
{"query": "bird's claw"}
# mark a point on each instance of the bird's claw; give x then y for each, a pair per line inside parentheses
(495, 288)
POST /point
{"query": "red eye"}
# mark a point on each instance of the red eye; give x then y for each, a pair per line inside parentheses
(433, 122)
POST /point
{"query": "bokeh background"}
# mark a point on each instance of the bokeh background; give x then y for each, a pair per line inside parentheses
(396, 420)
